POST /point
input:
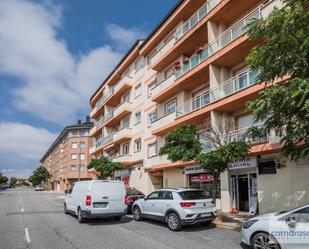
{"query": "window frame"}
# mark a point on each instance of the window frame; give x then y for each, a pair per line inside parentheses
(168, 103)
(156, 149)
(140, 117)
(136, 142)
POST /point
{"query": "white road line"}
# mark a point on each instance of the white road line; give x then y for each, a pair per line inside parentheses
(22, 210)
(27, 235)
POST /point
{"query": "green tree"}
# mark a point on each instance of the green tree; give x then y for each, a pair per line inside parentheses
(39, 176)
(104, 166)
(283, 108)
(181, 144)
(216, 161)
(13, 181)
(3, 179)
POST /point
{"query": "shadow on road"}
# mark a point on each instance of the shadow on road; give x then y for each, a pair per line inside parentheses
(244, 246)
(106, 221)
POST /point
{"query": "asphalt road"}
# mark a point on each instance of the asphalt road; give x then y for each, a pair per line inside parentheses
(35, 220)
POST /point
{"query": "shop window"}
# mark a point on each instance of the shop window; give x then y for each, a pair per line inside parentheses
(204, 182)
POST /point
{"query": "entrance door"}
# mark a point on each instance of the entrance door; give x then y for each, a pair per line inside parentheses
(243, 193)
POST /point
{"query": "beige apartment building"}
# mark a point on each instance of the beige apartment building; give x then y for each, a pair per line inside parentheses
(192, 69)
(68, 157)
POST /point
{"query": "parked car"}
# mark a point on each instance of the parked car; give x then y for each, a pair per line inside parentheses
(283, 230)
(4, 186)
(96, 199)
(132, 195)
(39, 188)
(176, 207)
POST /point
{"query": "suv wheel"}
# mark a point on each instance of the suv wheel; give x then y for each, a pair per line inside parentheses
(173, 222)
(264, 240)
(80, 218)
(65, 209)
(137, 214)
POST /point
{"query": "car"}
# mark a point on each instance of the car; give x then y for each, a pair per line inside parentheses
(96, 199)
(132, 195)
(4, 186)
(39, 188)
(176, 207)
(281, 230)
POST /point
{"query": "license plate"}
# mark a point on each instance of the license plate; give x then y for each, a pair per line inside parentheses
(99, 205)
(205, 215)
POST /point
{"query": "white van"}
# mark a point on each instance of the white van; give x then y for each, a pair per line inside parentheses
(96, 199)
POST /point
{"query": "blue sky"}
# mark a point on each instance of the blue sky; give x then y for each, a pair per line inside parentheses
(53, 55)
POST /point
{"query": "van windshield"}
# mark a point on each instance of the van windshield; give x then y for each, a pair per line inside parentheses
(192, 195)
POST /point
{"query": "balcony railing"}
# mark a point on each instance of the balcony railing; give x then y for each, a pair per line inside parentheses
(221, 41)
(223, 90)
(104, 140)
(163, 85)
(163, 120)
(120, 84)
(196, 18)
(242, 135)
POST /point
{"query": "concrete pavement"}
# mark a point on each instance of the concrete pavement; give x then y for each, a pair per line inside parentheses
(35, 220)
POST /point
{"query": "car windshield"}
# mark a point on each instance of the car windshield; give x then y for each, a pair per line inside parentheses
(134, 192)
(192, 195)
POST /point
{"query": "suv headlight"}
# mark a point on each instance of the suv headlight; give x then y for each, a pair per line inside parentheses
(248, 224)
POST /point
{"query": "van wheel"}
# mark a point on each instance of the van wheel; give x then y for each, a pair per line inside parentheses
(80, 219)
(65, 209)
(264, 240)
(117, 218)
(173, 222)
(137, 214)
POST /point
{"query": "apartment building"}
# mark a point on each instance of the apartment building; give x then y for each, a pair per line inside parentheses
(68, 157)
(192, 69)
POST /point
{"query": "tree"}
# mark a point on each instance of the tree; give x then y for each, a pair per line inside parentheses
(216, 161)
(3, 179)
(283, 108)
(181, 144)
(13, 181)
(39, 176)
(105, 167)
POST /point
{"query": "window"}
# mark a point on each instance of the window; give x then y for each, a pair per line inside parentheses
(153, 196)
(125, 149)
(126, 123)
(170, 106)
(151, 87)
(152, 150)
(165, 195)
(169, 72)
(138, 64)
(126, 97)
(138, 91)
(152, 117)
(82, 156)
(138, 145)
(73, 156)
(150, 57)
(73, 168)
(71, 189)
(74, 145)
(81, 168)
(138, 117)
(81, 144)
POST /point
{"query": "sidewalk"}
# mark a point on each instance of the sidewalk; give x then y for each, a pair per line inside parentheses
(231, 221)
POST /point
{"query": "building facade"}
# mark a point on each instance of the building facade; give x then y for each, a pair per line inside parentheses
(192, 69)
(68, 157)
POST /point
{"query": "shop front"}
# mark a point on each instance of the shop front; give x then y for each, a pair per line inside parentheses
(123, 175)
(243, 185)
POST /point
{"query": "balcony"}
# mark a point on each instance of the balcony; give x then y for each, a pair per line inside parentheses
(229, 87)
(160, 87)
(163, 120)
(231, 34)
(120, 112)
(92, 149)
(242, 135)
(103, 141)
(195, 19)
(122, 135)
(118, 90)
(98, 106)
(161, 51)
(122, 158)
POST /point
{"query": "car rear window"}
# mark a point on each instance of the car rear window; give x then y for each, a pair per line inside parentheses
(134, 192)
(192, 195)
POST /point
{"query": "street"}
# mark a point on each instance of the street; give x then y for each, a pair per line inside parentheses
(35, 220)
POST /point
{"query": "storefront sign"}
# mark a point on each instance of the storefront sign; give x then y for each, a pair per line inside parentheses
(244, 163)
(196, 169)
(202, 178)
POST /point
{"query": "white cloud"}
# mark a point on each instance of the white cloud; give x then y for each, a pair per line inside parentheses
(54, 84)
(24, 140)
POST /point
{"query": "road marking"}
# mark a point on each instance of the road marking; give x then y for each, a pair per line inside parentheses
(27, 235)
(22, 210)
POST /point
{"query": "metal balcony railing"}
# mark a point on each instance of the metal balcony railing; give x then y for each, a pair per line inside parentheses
(242, 135)
(104, 140)
(218, 43)
(195, 18)
(223, 90)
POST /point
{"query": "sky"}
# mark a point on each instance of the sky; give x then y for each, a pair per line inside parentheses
(53, 56)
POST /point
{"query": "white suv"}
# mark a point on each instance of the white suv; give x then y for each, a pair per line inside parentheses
(176, 207)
